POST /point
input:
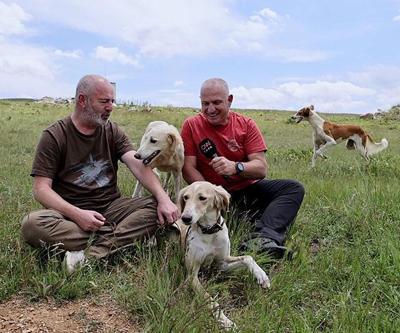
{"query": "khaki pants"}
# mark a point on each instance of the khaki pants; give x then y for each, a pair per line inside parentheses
(127, 220)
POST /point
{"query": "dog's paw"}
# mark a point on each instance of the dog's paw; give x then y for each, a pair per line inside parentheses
(226, 323)
(319, 153)
(263, 279)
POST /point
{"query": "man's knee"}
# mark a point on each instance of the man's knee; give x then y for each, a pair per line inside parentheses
(298, 189)
(30, 228)
(33, 227)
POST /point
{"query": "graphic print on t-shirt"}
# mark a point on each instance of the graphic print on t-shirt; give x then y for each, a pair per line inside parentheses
(92, 172)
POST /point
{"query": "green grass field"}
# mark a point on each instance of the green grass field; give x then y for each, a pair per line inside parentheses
(345, 273)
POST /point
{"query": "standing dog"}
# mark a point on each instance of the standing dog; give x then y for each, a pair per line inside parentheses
(326, 134)
(161, 147)
(207, 240)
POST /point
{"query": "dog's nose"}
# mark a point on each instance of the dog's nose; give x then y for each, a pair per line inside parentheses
(137, 155)
(186, 219)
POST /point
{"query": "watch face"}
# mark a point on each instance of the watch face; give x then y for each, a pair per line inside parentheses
(239, 167)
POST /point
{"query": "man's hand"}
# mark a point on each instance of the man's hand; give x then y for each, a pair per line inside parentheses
(167, 212)
(223, 166)
(89, 220)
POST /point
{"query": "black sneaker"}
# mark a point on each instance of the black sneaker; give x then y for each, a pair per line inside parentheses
(263, 245)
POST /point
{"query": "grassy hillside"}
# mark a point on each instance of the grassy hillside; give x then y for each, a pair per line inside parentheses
(345, 274)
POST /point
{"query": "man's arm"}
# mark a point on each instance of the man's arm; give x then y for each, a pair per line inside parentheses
(86, 219)
(254, 168)
(189, 171)
(166, 209)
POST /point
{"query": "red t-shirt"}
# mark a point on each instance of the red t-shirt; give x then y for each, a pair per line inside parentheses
(235, 141)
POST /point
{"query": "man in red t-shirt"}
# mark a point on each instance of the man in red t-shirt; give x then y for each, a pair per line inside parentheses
(75, 180)
(237, 161)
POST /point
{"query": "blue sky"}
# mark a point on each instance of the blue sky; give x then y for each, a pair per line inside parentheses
(341, 56)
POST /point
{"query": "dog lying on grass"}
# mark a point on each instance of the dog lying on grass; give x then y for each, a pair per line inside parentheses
(207, 240)
(161, 147)
(326, 134)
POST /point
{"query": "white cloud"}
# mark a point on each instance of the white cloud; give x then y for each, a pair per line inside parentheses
(112, 54)
(168, 28)
(27, 71)
(75, 54)
(12, 18)
(268, 13)
(23, 60)
(301, 56)
(396, 18)
(379, 76)
(178, 83)
(338, 96)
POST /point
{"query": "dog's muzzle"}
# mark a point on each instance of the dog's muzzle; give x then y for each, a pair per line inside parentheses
(151, 157)
(297, 118)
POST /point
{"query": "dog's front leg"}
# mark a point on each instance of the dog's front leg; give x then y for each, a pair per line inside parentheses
(223, 321)
(230, 263)
(138, 190)
(314, 157)
(166, 181)
(329, 142)
(177, 183)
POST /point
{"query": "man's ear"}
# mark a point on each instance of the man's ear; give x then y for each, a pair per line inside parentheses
(230, 99)
(81, 99)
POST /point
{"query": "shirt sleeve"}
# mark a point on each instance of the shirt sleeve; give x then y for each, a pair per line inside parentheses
(122, 142)
(254, 140)
(47, 157)
(188, 141)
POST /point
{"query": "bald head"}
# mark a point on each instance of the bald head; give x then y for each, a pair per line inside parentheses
(215, 84)
(88, 82)
(215, 101)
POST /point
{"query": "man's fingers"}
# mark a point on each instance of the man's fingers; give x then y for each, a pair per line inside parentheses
(160, 218)
(99, 216)
(98, 223)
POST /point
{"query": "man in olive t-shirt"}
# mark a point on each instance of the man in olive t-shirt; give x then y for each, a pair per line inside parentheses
(75, 179)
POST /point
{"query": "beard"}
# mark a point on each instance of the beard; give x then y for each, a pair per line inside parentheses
(92, 117)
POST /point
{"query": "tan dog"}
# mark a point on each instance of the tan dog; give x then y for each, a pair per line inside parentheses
(326, 134)
(161, 147)
(207, 239)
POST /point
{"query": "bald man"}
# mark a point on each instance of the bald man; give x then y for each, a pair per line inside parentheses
(270, 206)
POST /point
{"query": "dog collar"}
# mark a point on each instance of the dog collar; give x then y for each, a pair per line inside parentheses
(212, 229)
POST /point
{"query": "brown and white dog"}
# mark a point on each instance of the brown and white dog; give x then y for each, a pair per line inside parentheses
(161, 147)
(326, 134)
(207, 239)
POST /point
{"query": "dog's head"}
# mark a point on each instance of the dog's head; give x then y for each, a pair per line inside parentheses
(202, 199)
(159, 138)
(303, 113)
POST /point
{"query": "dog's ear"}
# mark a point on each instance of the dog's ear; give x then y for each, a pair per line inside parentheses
(311, 107)
(181, 202)
(171, 138)
(222, 198)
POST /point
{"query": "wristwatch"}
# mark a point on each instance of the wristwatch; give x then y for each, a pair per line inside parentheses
(239, 166)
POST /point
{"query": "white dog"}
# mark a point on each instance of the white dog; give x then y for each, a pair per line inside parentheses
(207, 240)
(326, 134)
(161, 147)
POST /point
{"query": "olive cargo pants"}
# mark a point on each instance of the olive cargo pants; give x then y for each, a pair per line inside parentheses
(127, 220)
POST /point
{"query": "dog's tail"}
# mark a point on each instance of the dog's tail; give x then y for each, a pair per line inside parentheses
(373, 147)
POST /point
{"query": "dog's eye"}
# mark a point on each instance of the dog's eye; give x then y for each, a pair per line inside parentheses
(185, 197)
(152, 140)
(202, 198)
